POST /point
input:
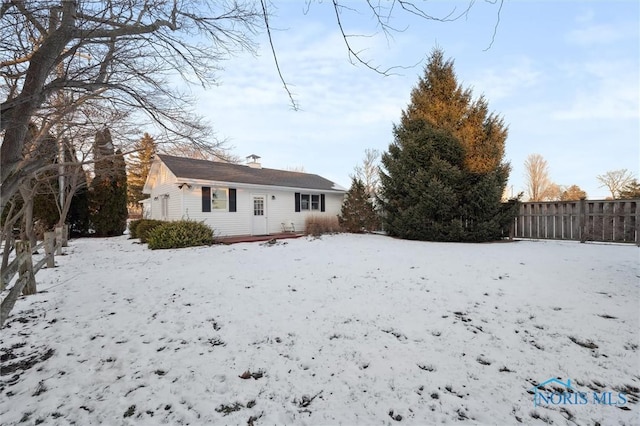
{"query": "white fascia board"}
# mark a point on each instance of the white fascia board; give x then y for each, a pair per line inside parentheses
(203, 182)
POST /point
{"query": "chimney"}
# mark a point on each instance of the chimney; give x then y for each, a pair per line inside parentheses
(252, 161)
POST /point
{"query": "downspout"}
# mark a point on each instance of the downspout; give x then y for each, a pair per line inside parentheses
(182, 203)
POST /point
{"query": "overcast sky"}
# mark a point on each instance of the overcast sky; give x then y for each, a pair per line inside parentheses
(563, 74)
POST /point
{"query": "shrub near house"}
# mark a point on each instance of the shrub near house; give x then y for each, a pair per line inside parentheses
(358, 213)
(319, 225)
(179, 234)
(144, 227)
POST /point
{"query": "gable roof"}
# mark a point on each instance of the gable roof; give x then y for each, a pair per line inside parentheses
(189, 168)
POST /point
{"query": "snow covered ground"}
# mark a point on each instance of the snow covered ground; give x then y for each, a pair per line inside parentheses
(345, 329)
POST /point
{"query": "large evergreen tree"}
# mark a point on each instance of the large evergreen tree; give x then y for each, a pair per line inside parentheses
(358, 213)
(421, 187)
(445, 173)
(138, 168)
(78, 216)
(108, 191)
(445, 104)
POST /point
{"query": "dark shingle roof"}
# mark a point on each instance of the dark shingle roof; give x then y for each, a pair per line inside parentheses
(189, 168)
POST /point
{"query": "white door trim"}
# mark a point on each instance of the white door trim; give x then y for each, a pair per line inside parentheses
(259, 214)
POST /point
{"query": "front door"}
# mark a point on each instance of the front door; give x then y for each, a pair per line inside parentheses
(259, 224)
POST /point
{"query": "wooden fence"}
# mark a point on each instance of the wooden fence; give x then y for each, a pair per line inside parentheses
(23, 266)
(583, 220)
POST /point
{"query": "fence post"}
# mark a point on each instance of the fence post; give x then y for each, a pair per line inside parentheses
(582, 219)
(58, 240)
(512, 228)
(49, 246)
(637, 214)
(65, 235)
(25, 267)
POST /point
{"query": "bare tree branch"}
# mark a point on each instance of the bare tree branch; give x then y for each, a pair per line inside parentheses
(265, 15)
(539, 186)
(368, 172)
(615, 181)
(495, 27)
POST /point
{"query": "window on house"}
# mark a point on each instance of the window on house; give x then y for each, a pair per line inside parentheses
(309, 202)
(164, 206)
(219, 199)
(304, 201)
(315, 202)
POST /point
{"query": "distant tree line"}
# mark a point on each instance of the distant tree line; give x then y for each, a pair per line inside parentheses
(539, 186)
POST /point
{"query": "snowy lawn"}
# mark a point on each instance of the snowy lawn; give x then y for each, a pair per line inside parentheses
(346, 329)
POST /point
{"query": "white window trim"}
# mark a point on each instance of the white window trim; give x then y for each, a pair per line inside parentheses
(310, 205)
(214, 199)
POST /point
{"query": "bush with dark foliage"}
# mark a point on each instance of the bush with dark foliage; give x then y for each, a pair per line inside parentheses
(145, 226)
(179, 234)
(358, 214)
(133, 228)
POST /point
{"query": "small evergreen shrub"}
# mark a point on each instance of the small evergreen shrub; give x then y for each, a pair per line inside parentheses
(318, 225)
(145, 227)
(183, 233)
(358, 214)
(133, 228)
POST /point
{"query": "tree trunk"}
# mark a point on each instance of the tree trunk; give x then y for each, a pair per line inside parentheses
(16, 113)
(8, 246)
(68, 199)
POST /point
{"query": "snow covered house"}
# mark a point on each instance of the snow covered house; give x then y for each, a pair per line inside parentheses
(237, 199)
